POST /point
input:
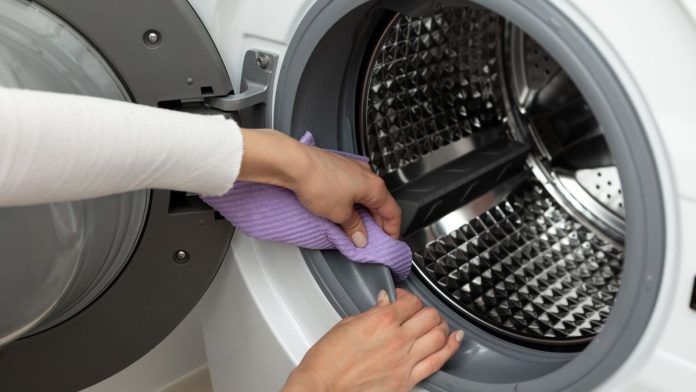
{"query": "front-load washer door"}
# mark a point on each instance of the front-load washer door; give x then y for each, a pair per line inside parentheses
(87, 287)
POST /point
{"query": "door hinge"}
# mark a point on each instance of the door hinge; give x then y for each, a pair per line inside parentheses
(253, 102)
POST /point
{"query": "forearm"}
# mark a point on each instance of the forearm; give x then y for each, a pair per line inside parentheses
(56, 147)
(271, 157)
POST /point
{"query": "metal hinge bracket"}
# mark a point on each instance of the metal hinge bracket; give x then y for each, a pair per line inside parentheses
(253, 102)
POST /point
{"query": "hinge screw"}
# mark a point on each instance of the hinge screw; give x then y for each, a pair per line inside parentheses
(263, 61)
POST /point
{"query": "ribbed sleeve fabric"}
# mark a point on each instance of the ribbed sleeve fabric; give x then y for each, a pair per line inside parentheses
(60, 147)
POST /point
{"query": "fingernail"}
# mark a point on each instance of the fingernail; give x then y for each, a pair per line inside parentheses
(381, 295)
(359, 239)
(459, 335)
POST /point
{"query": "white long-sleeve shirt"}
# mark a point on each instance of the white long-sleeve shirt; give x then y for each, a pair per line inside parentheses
(58, 147)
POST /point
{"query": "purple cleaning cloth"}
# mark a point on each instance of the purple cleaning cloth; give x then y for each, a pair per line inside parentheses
(272, 213)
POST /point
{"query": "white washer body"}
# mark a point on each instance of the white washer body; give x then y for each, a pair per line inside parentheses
(265, 309)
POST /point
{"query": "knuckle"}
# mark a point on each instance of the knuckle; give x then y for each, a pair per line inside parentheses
(432, 365)
(396, 346)
(417, 302)
(387, 317)
(378, 190)
(345, 215)
(433, 315)
(353, 223)
(402, 339)
(439, 338)
(376, 180)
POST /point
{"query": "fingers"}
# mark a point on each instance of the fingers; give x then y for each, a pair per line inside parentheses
(365, 165)
(401, 293)
(422, 322)
(432, 363)
(375, 196)
(381, 204)
(406, 305)
(430, 342)
(377, 217)
(355, 229)
(382, 299)
(391, 216)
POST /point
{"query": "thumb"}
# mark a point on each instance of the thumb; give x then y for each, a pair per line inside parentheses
(355, 229)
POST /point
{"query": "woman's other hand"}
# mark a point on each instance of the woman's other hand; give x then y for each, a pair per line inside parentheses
(327, 184)
(391, 347)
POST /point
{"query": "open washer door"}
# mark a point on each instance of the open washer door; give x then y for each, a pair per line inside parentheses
(532, 188)
(88, 287)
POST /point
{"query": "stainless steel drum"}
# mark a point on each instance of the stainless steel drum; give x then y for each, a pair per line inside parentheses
(537, 257)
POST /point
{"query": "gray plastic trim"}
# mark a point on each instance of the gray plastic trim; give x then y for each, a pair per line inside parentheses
(119, 30)
(320, 43)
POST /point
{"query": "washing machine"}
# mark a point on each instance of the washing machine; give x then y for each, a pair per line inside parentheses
(540, 152)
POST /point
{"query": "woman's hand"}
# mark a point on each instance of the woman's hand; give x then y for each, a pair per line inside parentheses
(334, 184)
(391, 347)
(327, 184)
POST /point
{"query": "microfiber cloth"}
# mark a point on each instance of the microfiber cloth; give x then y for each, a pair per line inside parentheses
(272, 213)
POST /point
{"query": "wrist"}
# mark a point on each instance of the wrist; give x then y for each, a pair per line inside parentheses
(271, 157)
(299, 164)
(301, 380)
